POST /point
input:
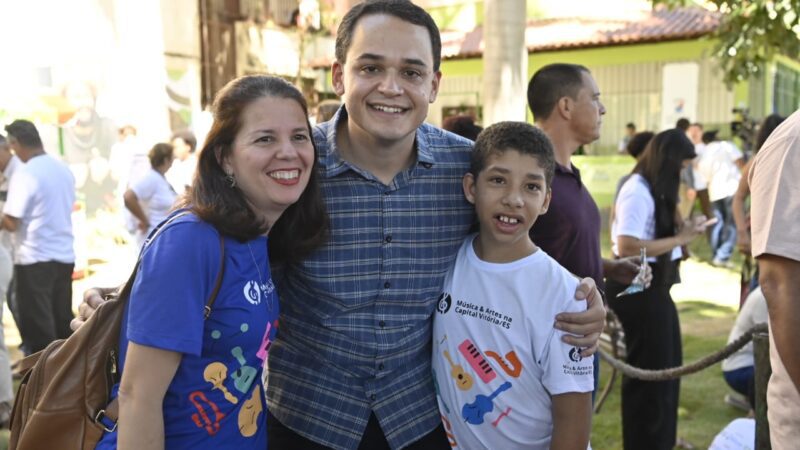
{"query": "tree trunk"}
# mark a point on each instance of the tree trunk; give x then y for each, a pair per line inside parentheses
(505, 61)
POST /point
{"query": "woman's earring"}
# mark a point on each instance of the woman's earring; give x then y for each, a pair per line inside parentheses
(230, 179)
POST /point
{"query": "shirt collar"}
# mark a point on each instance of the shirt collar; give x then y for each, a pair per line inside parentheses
(331, 159)
(574, 173)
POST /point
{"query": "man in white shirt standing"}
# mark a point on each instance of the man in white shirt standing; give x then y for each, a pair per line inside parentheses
(180, 174)
(38, 210)
(720, 168)
(8, 164)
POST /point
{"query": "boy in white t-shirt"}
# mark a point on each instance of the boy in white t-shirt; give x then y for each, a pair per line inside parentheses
(504, 377)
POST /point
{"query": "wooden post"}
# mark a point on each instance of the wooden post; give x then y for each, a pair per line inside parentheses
(762, 372)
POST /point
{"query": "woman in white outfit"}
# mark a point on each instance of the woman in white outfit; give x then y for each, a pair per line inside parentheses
(151, 197)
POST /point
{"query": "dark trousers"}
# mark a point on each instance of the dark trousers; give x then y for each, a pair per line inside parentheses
(723, 233)
(742, 380)
(653, 341)
(43, 302)
(281, 437)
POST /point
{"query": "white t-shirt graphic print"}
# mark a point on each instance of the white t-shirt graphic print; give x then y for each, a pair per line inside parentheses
(497, 358)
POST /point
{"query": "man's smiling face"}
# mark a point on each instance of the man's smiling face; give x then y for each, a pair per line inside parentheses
(387, 81)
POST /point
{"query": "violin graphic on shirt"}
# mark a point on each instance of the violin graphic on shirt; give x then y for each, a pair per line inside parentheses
(473, 412)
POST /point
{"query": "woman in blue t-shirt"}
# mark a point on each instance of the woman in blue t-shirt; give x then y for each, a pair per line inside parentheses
(190, 382)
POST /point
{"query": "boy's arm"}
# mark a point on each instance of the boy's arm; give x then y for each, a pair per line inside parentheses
(572, 421)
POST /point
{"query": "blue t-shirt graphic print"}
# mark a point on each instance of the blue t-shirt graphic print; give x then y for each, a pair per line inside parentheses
(216, 399)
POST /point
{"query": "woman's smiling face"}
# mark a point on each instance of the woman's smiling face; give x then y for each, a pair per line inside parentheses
(272, 155)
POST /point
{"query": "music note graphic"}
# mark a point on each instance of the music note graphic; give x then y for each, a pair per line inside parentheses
(462, 379)
(477, 361)
(516, 365)
(473, 412)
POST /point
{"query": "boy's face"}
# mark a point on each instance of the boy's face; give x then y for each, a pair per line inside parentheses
(388, 80)
(509, 194)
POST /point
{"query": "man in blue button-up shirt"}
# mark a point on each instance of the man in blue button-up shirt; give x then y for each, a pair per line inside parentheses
(350, 367)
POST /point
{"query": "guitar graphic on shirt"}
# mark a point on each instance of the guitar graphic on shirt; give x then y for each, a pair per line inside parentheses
(244, 376)
(462, 379)
(473, 412)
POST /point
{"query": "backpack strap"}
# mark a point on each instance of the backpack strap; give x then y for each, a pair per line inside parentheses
(108, 417)
(218, 282)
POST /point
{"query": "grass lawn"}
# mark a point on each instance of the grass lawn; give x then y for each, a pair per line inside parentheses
(706, 300)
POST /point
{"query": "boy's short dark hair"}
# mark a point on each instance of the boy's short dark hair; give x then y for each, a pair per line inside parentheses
(520, 136)
(551, 83)
(402, 9)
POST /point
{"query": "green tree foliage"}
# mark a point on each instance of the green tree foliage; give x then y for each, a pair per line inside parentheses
(751, 32)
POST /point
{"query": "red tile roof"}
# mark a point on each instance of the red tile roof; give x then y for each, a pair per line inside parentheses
(558, 34)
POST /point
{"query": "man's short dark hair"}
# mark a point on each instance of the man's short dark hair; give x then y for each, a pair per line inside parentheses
(520, 136)
(25, 133)
(630, 125)
(682, 124)
(462, 125)
(402, 9)
(552, 83)
(187, 137)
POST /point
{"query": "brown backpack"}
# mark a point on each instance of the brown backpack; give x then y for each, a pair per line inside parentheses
(63, 399)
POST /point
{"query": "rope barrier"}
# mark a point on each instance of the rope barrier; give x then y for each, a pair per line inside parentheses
(677, 372)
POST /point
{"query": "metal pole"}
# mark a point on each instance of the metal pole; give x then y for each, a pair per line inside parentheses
(763, 372)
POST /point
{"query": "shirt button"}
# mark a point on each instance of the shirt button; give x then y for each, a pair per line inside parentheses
(380, 366)
(388, 239)
(382, 324)
(387, 285)
(387, 192)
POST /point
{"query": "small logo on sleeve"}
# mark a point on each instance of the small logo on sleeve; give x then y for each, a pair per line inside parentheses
(445, 301)
(575, 354)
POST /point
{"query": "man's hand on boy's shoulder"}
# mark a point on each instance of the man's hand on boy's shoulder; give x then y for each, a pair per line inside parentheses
(584, 328)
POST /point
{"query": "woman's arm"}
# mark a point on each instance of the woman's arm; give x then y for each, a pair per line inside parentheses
(133, 205)
(739, 216)
(572, 421)
(630, 245)
(148, 372)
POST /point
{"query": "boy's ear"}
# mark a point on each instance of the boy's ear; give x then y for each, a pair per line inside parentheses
(468, 183)
(546, 203)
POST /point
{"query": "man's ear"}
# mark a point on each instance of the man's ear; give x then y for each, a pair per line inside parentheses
(468, 184)
(564, 107)
(337, 77)
(437, 78)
